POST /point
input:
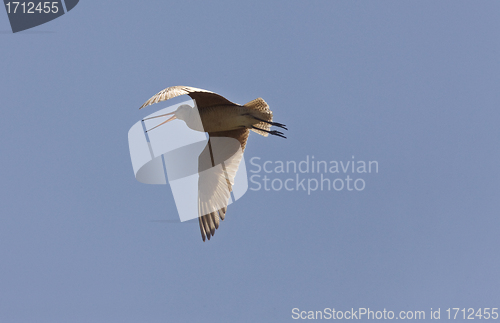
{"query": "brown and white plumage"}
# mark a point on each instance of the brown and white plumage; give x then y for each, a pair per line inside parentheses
(228, 126)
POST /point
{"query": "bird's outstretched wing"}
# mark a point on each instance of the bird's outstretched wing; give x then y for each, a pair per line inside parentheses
(203, 98)
(217, 167)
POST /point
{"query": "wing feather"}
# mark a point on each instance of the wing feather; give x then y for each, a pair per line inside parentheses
(217, 167)
(203, 98)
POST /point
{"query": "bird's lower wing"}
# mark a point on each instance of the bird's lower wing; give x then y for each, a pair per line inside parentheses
(202, 97)
(217, 167)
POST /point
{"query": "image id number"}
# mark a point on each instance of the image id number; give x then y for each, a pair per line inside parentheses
(29, 7)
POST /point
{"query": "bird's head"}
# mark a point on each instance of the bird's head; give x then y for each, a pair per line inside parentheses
(183, 112)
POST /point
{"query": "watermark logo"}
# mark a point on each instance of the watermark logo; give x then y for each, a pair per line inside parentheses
(204, 175)
(28, 14)
(310, 174)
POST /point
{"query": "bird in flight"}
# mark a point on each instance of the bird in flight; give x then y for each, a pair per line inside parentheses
(228, 125)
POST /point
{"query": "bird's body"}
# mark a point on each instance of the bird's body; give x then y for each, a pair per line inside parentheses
(222, 119)
(219, 118)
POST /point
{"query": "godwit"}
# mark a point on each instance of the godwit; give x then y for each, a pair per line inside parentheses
(222, 119)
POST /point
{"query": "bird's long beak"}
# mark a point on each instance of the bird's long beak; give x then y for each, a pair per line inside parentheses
(167, 114)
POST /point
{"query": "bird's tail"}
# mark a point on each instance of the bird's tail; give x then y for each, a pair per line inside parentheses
(261, 110)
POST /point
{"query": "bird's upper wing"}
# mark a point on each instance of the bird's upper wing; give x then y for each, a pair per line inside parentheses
(217, 167)
(202, 97)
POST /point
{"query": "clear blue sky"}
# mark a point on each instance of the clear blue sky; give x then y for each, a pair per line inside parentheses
(413, 85)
